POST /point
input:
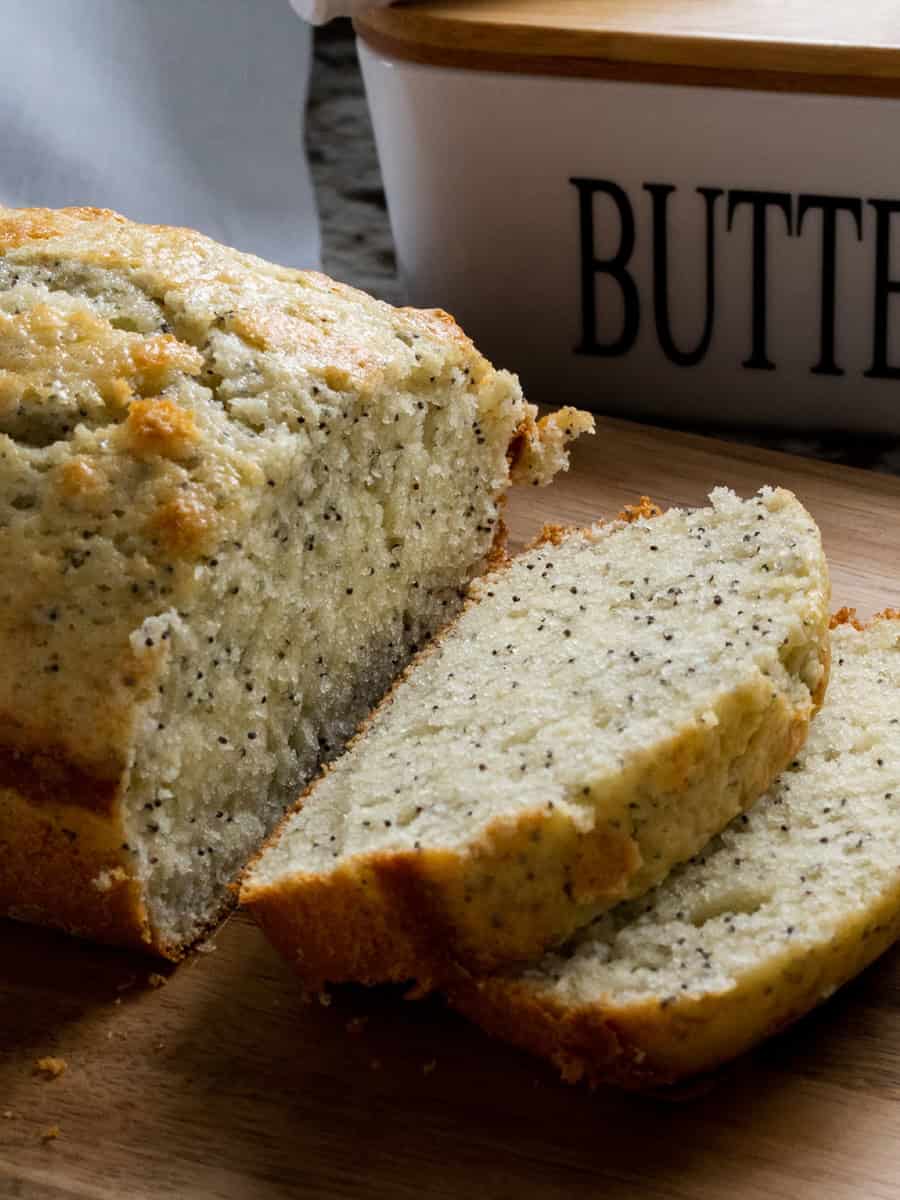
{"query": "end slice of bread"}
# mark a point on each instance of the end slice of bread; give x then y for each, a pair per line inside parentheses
(790, 902)
(604, 705)
(235, 499)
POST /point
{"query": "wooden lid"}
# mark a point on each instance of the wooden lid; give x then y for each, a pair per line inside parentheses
(850, 46)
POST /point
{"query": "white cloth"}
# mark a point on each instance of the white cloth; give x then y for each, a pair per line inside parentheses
(183, 112)
(320, 11)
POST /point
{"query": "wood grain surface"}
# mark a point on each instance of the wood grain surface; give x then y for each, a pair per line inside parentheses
(782, 44)
(225, 1084)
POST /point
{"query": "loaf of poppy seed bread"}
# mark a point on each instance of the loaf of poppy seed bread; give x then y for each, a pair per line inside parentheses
(607, 703)
(234, 498)
(789, 903)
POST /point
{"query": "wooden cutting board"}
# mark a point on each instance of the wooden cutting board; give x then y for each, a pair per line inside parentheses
(224, 1085)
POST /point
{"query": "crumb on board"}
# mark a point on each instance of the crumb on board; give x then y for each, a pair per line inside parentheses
(50, 1068)
(8, 1114)
(428, 1067)
(324, 999)
(357, 1024)
(155, 980)
(51, 1133)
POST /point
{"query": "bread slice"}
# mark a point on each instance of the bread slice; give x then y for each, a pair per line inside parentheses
(604, 706)
(790, 902)
(234, 499)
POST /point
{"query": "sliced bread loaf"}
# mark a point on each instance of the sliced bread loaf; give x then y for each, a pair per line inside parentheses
(791, 901)
(234, 499)
(605, 704)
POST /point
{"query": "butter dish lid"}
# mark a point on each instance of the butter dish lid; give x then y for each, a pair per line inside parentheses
(803, 45)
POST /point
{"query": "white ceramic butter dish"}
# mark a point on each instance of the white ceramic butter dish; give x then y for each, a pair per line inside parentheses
(671, 209)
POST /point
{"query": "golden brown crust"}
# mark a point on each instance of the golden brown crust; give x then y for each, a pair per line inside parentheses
(847, 616)
(63, 860)
(182, 258)
(185, 525)
(62, 863)
(537, 451)
(79, 481)
(654, 1043)
(818, 696)
(553, 534)
(583, 1044)
(643, 510)
(159, 426)
(396, 916)
(18, 226)
(359, 926)
(498, 555)
(42, 777)
(43, 345)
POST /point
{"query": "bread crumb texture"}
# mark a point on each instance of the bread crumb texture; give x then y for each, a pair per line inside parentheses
(793, 899)
(237, 497)
(603, 707)
(50, 1068)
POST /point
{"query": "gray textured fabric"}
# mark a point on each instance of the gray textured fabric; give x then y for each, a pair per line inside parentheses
(182, 112)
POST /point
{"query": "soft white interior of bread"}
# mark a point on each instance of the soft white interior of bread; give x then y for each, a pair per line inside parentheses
(355, 518)
(299, 632)
(784, 878)
(578, 663)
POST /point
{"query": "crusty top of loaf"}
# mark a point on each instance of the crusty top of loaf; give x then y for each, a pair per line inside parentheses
(153, 385)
